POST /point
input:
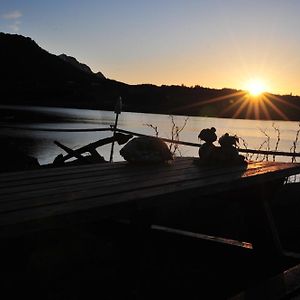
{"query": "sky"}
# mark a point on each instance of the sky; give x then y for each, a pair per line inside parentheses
(211, 43)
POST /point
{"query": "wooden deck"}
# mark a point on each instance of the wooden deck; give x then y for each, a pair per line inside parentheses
(56, 197)
(49, 197)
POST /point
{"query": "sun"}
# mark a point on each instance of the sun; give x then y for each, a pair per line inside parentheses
(256, 87)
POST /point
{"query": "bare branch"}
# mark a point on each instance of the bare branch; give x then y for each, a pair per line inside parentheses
(278, 139)
(155, 128)
(260, 147)
(184, 124)
(175, 131)
(267, 142)
(245, 144)
(294, 146)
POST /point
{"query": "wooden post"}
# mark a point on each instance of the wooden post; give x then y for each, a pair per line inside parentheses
(261, 225)
(118, 109)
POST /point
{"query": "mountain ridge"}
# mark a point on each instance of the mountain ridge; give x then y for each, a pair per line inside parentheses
(81, 66)
(33, 76)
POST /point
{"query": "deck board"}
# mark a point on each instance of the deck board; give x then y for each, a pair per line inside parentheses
(34, 195)
(117, 182)
(132, 175)
(91, 175)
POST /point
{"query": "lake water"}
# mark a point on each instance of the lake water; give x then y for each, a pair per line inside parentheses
(41, 143)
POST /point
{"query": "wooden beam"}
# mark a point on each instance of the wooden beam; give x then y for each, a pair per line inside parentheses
(119, 137)
(282, 286)
(253, 151)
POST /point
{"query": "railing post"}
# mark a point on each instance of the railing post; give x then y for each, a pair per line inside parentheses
(118, 109)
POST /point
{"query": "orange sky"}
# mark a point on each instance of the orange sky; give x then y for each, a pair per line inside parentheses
(215, 43)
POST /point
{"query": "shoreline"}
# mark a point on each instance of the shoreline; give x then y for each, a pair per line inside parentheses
(36, 106)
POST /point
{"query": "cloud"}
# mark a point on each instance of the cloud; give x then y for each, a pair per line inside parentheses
(15, 27)
(13, 15)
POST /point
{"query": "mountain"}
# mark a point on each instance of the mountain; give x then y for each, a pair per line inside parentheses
(23, 60)
(32, 76)
(83, 67)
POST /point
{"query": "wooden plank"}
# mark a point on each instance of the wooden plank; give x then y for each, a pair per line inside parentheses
(48, 171)
(130, 174)
(91, 178)
(112, 199)
(135, 180)
(198, 235)
(90, 172)
(48, 197)
(103, 171)
(146, 178)
(96, 199)
(55, 171)
(121, 184)
(5, 178)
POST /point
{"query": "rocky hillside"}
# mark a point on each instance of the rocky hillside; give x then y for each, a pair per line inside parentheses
(31, 75)
(83, 67)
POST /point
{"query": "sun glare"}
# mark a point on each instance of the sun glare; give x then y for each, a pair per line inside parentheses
(256, 87)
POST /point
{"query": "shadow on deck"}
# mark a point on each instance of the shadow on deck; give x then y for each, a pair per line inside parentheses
(111, 259)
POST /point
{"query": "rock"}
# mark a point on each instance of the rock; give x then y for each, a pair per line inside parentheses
(146, 150)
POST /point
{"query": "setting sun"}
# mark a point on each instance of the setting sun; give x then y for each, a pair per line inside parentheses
(256, 87)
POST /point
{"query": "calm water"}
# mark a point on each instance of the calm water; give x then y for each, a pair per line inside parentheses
(40, 143)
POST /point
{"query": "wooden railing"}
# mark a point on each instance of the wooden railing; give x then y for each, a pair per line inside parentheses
(111, 129)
